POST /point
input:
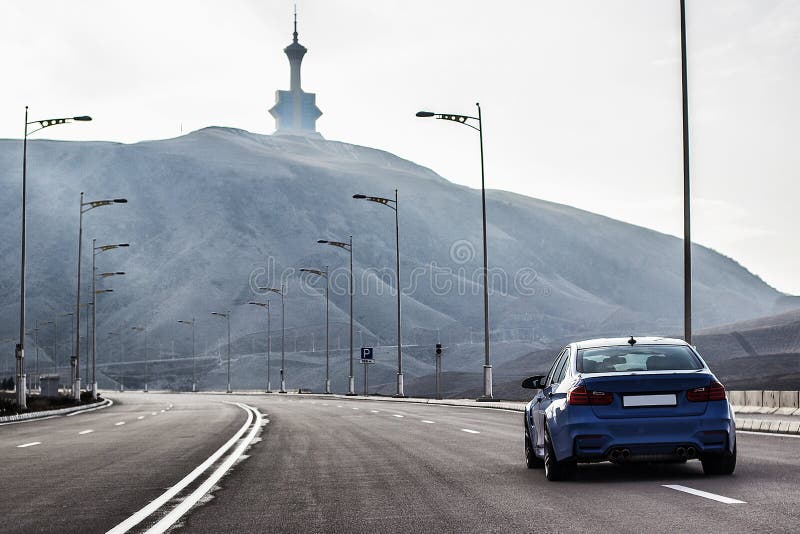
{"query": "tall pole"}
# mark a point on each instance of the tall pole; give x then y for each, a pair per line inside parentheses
(327, 331)
(194, 360)
(487, 366)
(687, 237)
(36, 344)
(228, 317)
(94, 320)
(76, 387)
(269, 349)
(145, 358)
(20, 352)
(399, 289)
(86, 339)
(283, 341)
(55, 348)
(352, 386)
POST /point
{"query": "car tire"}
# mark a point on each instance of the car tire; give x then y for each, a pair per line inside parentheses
(531, 460)
(553, 469)
(720, 463)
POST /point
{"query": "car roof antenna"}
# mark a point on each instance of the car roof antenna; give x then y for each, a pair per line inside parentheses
(632, 341)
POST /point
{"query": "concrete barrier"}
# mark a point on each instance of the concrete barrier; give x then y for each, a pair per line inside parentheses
(737, 398)
(789, 403)
(50, 413)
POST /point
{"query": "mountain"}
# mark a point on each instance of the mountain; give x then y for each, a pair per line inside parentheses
(214, 214)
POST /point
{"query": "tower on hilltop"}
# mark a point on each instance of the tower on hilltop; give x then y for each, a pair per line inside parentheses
(295, 111)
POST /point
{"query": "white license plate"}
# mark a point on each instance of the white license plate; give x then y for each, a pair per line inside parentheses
(629, 401)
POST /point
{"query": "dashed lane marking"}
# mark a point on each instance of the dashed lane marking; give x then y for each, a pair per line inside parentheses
(154, 413)
(705, 494)
(140, 417)
(470, 431)
(31, 444)
(375, 411)
(89, 431)
(397, 415)
(426, 421)
(120, 423)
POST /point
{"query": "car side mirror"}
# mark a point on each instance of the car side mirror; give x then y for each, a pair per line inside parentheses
(533, 382)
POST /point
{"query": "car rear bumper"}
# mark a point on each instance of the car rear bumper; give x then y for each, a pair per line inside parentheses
(643, 437)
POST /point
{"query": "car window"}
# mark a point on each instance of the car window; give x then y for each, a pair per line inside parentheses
(563, 366)
(556, 367)
(638, 358)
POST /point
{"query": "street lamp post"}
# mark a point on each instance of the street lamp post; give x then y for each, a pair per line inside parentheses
(84, 207)
(463, 119)
(324, 274)
(265, 305)
(95, 251)
(20, 349)
(393, 204)
(687, 234)
(143, 329)
(351, 388)
(282, 293)
(228, 317)
(194, 365)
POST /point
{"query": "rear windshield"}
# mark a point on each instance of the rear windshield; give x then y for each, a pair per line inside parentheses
(641, 358)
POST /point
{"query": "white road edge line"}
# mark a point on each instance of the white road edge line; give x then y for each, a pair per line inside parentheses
(31, 444)
(89, 431)
(795, 436)
(162, 499)
(707, 495)
(109, 405)
(470, 431)
(171, 518)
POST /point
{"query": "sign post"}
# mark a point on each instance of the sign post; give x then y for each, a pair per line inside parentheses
(438, 370)
(366, 359)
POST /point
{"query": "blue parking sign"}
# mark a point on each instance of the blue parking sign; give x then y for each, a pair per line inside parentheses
(366, 353)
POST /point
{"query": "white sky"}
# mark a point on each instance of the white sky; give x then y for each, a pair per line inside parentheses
(581, 98)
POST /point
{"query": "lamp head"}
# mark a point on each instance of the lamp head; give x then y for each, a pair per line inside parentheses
(425, 114)
(82, 118)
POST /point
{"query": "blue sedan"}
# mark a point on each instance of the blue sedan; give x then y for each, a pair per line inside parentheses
(628, 400)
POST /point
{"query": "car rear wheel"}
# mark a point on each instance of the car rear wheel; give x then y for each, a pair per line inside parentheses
(531, 460)
(553, 469)
(719, 464)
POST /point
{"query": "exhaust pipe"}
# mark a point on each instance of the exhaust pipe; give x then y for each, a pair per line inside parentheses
(691, 452)
(680, 451)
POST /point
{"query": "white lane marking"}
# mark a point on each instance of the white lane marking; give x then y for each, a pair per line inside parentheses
(375, 411)
(140, 417)
(110, 403)
(768, 434)
(173, 516)
(707, 495)
(31, 444)
(355, 408)
(397, 415)
(162, 411)
(120, 423)
(154, 413)
(165, 497)
(426, 421)
(32, 420)
(324, 403)
(470, 431)
(89, 431)
(339, 406)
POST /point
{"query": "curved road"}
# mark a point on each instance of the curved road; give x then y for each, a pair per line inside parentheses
(354, 465)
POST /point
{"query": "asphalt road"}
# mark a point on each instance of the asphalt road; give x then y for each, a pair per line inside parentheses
(348, 465)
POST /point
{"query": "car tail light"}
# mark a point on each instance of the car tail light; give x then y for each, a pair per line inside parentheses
(712, 392)
(579, 395)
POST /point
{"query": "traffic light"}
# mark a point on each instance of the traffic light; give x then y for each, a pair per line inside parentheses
(438, 349)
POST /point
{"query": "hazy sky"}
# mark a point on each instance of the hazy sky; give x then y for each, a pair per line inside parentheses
(581, 98)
